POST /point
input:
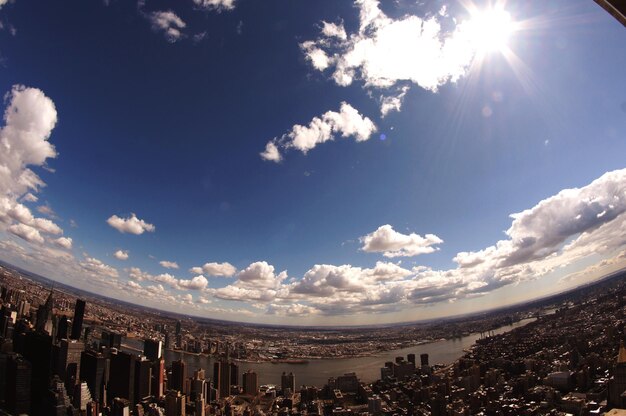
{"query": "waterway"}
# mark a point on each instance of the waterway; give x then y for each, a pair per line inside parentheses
(317, 372)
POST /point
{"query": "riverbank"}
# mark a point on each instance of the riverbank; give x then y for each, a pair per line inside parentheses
(316, 372)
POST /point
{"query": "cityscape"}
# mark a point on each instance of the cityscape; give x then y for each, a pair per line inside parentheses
(65, 355)
(312, 208)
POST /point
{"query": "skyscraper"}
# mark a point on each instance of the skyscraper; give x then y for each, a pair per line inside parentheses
(18, 381)
(92, 370)
(250, 383)
(224, 381)
(82, 396)
(122, 377)
(158, 377)
(174, 404)
(62, 329)
(288, 381)
(143, 378)
(44, 315)
(234, 374)
(77, 322)
(179, 374)
(152, 349)
(68, 361)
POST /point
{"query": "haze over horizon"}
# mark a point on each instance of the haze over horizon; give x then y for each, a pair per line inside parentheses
(313, 163)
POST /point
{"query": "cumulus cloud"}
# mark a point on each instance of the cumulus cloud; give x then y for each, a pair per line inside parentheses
(121, 254)
(47, 211)
(271, 152)
(167, 22)
(348, 122)
(168, 264)
(197, 283)
(29, 119)
(217, 5)
(384, 52)
(394, 244)
(571, 226)
(30, 198)
(27, 233)
(131, 225)
(64, 242)
(215, 269)
(257, 282)
(95, 267)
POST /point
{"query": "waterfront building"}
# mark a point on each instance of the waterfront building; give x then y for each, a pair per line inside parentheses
(251, 383)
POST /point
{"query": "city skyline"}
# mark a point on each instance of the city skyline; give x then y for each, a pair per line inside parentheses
(335, 164)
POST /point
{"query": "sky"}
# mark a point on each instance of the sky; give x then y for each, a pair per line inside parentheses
(313, 162)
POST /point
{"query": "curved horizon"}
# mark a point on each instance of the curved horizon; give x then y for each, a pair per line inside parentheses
(313, 164)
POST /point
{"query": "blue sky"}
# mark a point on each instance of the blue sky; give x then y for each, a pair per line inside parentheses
(326, 162)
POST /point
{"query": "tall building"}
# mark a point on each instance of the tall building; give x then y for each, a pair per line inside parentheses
(58, 401)
(178, 328)
(217, 375)
(174, 403)
(122, 377)
(158, 377)
(152, 349)
(17, 385)
(424, 359)
(77, 322)
(234, 374)
(251, 383)
(82, 396)
(179, 374)
(92, 370)
(68, 361)
(143, 379)
(224, 378)
(120, 407)
(617, 383)
(111, 339)
(411, 358)
(44, 315)
(288, 381)
(62, 329)
(37, 349)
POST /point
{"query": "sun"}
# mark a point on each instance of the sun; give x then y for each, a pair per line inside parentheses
(489, 30)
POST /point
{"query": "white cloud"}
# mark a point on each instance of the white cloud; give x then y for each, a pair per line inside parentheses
(217, 5)
(29, 119)
(394, 244)
(197, 283)
(30, 198)
(559, 231)
(22, 214)
(121, 254)
(331, 30)
(97, 268)
(348, 122)
(46, 210)
(385, 52)
(392, 102)
(64, 242)
(196, 270)
(169, 264)
(26, 232)
(169, 23)
(271, 152)
(132, 225)
(215, 269)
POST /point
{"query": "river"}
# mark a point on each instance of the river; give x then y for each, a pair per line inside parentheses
(317, 372)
